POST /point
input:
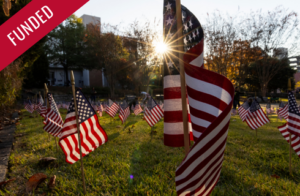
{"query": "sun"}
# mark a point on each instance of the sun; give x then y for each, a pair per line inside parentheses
(160, 47)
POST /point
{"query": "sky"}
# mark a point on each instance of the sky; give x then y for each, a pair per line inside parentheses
(124, 12)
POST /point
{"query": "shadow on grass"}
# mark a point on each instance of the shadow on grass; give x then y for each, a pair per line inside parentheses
(128, 124)
(113, 136)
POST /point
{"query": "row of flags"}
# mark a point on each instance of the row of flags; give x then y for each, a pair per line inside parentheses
(255, 117)
(92, 134)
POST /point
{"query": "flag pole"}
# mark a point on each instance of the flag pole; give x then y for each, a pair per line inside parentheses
(182, 78)
(78, 131)
(290, 136)
(48, 106)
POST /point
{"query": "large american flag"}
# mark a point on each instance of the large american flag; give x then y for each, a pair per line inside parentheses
(124, 112)
(293, 119)
(210, 97)
(112, 108)
(256, 116)
(92, 135)
(137, 109)
(53, 121)
(244, 110)
(173, 121)
(29, 106)
(153, 113)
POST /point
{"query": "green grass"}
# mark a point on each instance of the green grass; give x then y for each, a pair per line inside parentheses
(248, 165)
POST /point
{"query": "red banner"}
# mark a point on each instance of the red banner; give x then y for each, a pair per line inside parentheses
(31, 24)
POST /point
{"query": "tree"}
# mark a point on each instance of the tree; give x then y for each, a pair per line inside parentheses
(148, 62)
(11, 78)
(39, 72)
(107, 52)
(278, 79)
(66, 46)
(267, 33)
(234, 42)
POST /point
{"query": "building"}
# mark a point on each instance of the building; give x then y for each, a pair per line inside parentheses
(83, 78)
(280, 53)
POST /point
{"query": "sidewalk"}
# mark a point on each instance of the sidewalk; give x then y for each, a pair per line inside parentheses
(6, 142)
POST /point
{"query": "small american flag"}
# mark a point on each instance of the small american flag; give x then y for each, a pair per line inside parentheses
(161, 105)
(268, 108)
(244, 110)
(283, 111)
(295, 139)
(137, 109)
(53, 121)
(256, 116)
(124, 112)
(233, 112)
(29, 106)
(41, 109)
(100, 110)
(40, 102)
(112, 108)
(293, 119)
(92, 135)
(153, 113)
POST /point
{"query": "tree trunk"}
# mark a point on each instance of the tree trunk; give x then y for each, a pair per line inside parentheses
(264, 89)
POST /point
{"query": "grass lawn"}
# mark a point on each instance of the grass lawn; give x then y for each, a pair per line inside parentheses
(248, 165)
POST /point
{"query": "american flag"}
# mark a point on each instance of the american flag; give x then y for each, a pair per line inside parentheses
(210, 97)
(153, 113)
(244, 110)
(41, 109)
(256, 116)
(283, 111)
(112, 108)
(295, 139)
(29, 106)
(137, 109)
(40, 102)
(124, 112)
(100, 109)
(293, 118)
(173, 121)
(92, 135)
(233, 112)
(161, 105)
(268, 108)
(53, 121)
(132, 107)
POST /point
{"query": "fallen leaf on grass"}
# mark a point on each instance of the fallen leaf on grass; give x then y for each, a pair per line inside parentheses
(132, 126)
(7, 181)
(34, 181)
(51, 183)
(119, 126)
(275, 176)
(47, 159)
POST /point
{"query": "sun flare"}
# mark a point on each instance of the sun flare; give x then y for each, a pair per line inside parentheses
(160, 47)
